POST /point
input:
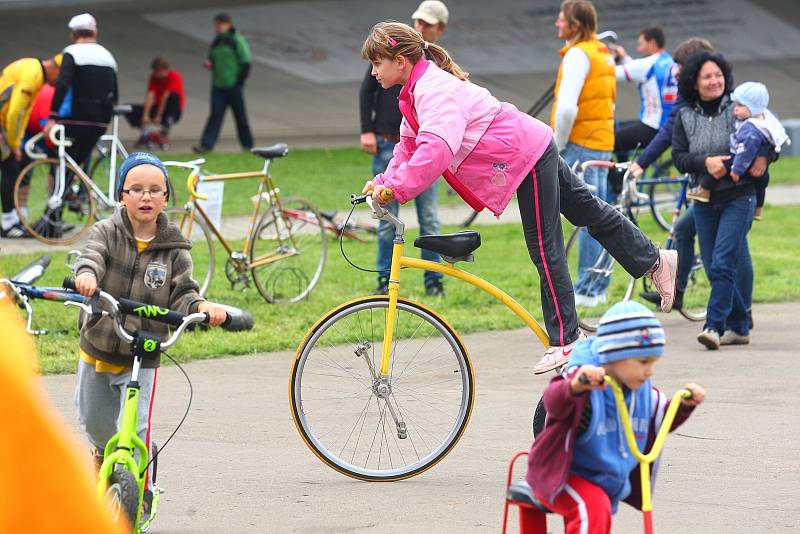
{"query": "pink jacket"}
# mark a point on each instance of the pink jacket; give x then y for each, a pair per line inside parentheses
(483, 147)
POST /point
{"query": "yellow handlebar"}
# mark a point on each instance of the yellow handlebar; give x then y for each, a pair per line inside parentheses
(661, 435)
(386, 194)
(191, 184)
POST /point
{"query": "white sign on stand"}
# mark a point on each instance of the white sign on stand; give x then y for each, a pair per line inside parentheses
(212, 206)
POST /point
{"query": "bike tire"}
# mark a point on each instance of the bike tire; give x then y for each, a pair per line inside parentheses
(288, 251)
(122, 496)
(328, 411)
(470, 219)
(203, 251)
(61, 224)
(663, 199)
(605, 271)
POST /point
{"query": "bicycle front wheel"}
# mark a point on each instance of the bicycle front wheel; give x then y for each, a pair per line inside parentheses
(373, 428)
(203, 257)
(288, 250)
(663, 199)
(604, 283)
(52, 217)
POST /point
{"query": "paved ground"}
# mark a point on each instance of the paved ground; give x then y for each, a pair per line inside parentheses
(239, 466)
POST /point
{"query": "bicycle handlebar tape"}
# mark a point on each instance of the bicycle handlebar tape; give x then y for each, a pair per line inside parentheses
(238, 320)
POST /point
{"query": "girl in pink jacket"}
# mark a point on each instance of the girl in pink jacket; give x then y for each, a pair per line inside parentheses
(487, 150)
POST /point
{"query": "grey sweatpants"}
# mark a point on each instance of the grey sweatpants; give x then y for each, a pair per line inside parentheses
(100, 397)
(551, 189)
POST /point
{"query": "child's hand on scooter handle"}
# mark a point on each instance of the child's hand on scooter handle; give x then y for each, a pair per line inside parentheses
(587, 378)
(698, 395)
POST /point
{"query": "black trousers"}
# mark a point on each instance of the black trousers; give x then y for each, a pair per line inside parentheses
(631, 135)
(172, 113)
(221, 99)
(552, 189)
(9, 169)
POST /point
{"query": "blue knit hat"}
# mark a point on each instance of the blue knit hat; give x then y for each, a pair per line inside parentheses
(628, 330)
(134, 160)
(754, 95)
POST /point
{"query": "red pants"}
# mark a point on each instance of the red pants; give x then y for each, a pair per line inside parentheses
(585, 506)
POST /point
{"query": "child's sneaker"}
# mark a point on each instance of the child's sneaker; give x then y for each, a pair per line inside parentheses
(665, 278)
(700, 194)
(731, 337)
(555, 357)
(757, 216)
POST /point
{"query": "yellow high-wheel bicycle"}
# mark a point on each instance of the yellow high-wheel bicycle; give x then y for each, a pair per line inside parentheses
(382, 387)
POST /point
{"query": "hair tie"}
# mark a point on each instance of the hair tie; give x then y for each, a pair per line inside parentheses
(391, 41)
(425, 45)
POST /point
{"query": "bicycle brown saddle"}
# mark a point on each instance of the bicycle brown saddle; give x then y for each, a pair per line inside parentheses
(274, 151)
(452, 245)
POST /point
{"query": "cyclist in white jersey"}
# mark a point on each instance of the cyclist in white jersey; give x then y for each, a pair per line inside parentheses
(657, 90)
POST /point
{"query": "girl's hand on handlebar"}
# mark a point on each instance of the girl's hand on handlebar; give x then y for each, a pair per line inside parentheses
(216, 313)
(594, 375)
(86, 284)
(698, 395)
(380, 194)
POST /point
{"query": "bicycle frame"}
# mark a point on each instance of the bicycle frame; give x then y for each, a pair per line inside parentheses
(646, 459)
(111, 149)
(399, 261)
(265, 186)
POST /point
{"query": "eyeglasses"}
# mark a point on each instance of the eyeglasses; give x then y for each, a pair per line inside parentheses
(139, 193)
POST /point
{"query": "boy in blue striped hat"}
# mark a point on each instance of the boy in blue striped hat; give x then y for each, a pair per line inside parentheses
(580, 465)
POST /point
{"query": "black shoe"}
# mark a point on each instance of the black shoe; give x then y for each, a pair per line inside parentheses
(383, 287)
(200, 149)
(655, 298)
(651, 296)
(750, 318)
(434, 289)
(15, 232)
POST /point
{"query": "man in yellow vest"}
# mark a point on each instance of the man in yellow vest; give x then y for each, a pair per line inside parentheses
(582, 119)
(20, 82)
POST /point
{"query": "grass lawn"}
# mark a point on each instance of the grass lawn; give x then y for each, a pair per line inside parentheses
(326, 177)
(502, 259)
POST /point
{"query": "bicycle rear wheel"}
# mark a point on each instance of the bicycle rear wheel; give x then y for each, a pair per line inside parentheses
(52, 219)
(288, 251)
(663, 199)
(602, 273)
(203, 253)
(349, 422)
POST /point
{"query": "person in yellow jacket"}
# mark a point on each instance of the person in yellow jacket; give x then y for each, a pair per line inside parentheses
(582, 119)
(20, 82)
(45, 484)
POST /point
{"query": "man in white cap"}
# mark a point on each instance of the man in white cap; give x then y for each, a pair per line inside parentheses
(86, 89)
(380, 132)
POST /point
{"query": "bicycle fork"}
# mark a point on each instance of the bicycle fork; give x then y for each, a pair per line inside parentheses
(381, 379)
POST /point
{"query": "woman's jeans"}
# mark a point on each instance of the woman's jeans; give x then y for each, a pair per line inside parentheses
(722, 230)
(684, 244)
(589, 250)
(427, 204)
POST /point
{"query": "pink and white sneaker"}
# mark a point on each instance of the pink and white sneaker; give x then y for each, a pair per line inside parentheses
(665, 278)
(555, 357)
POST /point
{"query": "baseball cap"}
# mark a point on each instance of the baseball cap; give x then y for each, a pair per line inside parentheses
(432, 12)
(84, 21)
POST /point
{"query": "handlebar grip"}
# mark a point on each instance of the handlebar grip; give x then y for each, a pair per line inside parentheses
(358, 199)
(386, 194)
(238, 320)
(33, 271)
(68, 283)
(151, 312)
(583, 379)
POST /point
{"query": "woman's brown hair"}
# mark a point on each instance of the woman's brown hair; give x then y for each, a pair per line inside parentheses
(388, 40)
(583, 14)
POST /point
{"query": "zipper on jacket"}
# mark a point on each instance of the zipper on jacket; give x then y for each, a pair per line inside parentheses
(128, 293)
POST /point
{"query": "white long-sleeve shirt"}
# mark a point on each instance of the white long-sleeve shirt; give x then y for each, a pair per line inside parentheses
(574, 69)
